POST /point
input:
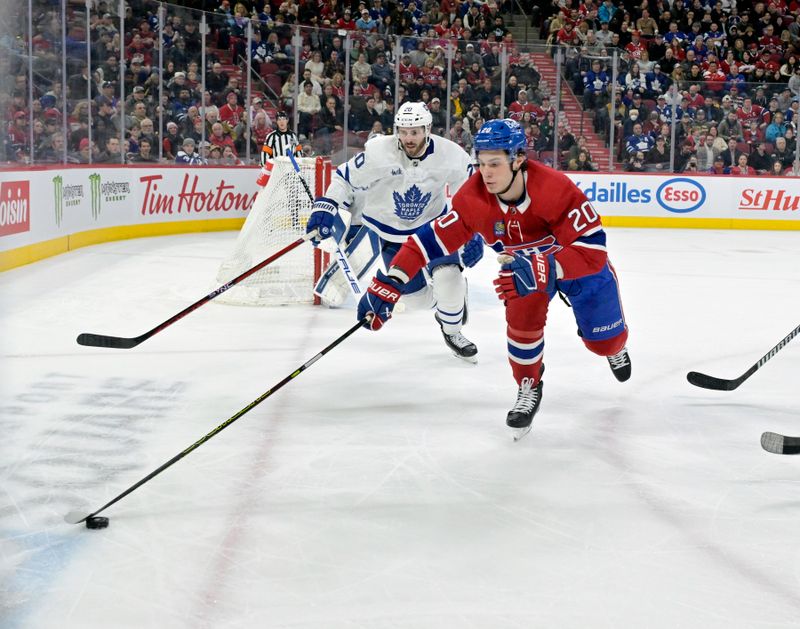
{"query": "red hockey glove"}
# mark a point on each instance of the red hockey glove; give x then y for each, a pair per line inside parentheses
(524, 275)
(380, 299)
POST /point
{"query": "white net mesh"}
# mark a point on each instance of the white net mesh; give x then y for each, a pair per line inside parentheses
(278, 217)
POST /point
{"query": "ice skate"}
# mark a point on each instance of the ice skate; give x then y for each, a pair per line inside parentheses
(459, 344)
(620, 364)
(520, 417)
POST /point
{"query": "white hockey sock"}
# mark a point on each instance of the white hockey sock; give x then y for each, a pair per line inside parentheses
(449, 289)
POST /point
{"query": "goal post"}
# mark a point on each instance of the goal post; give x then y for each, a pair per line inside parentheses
(278, 217)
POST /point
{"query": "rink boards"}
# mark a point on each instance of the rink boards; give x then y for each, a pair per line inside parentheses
(45, 211)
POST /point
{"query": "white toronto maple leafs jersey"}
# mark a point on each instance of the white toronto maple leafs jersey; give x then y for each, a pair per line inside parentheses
(397, 195)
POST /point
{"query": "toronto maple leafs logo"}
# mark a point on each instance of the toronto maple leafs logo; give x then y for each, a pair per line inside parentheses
(410, 206)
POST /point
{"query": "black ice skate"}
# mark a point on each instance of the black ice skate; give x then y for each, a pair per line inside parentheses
(459, 344)
(520, 417)
(620, 364)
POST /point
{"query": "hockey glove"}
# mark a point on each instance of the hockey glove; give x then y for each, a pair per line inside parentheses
(341, 224)
(380, 299)
(322, 216)
(523, 275)
(472, 252)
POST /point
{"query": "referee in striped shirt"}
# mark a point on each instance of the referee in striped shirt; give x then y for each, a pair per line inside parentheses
(278, 143)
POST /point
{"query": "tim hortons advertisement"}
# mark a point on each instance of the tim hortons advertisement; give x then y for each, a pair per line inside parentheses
(39, 205)
(191, 193)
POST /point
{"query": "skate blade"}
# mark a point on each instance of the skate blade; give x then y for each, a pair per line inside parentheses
(519, 433)
(472, 360)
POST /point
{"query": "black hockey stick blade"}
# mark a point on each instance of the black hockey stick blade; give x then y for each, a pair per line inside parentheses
(780, 444)
(114, 342)
(121, 342)
(719, 384)
(710, 382)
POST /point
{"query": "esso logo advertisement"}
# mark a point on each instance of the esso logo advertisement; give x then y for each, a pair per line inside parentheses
(680, 195)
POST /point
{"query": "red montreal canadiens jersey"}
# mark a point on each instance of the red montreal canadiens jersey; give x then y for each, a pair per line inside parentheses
(555, 218)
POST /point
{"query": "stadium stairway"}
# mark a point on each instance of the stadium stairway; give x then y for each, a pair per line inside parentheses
(522, 35)
(580, 122)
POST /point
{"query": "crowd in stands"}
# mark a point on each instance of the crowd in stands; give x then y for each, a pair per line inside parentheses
(733, 64)
(725, 71)
(221, 134)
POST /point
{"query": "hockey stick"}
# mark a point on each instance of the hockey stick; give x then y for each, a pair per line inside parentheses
(120, 342)
(344, 263)
(780, 444)
(720, 384)
(76, 517)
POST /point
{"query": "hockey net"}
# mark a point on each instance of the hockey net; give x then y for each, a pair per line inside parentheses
(278, 218)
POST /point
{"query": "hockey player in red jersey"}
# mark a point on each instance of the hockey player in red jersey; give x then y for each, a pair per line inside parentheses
(551, 240)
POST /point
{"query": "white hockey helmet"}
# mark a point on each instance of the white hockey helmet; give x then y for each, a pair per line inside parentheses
(414, 115)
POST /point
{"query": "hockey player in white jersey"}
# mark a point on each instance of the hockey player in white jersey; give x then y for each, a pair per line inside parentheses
(401, 183)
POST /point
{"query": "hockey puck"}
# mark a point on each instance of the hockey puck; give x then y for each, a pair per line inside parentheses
(96, 522)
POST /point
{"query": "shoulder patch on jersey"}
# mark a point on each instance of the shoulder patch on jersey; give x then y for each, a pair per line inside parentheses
(411, 205)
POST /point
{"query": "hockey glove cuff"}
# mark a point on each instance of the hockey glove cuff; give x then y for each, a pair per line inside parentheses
(380, 299)
(523, 275)
(472, 252)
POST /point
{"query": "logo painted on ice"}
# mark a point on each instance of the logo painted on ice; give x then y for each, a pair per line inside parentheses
(411, 205)
(680, 195)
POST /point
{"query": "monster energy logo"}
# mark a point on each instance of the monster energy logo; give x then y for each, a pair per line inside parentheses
(58, 192)
(65, 195)
(95, 190)
(108, 191)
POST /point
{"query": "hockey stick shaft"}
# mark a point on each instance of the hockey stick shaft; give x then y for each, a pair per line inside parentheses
(76, 518)
(119, 342)
(720, 384)
(344, 263)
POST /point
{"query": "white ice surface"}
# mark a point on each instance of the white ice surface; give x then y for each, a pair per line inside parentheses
(381, 489)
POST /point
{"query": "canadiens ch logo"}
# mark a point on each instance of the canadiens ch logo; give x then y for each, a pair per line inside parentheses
(499, 228)
(411, 205)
